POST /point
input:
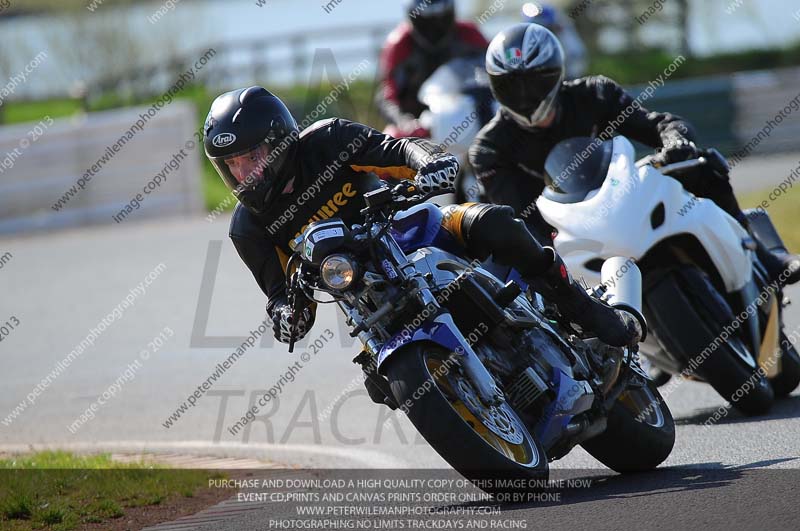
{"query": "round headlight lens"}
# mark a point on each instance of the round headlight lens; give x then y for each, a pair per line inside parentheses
(338, 272)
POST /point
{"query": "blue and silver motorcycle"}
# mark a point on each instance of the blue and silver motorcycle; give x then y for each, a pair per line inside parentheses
(487, 370)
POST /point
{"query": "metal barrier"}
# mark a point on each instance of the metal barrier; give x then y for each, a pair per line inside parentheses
(92, 168)
(730, 111)
(707, 103)
(281, 59)
(760, 97)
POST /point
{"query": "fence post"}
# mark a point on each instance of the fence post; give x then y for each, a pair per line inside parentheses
(299, 59)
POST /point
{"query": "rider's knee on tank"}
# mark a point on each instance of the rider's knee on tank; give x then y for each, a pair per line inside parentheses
(461, 221)
(493, 230)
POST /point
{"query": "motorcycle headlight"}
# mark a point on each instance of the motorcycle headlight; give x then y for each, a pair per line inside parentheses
(338, 272)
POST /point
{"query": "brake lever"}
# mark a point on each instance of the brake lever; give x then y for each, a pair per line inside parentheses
(404, 189)
(294, 302)
(293, 305)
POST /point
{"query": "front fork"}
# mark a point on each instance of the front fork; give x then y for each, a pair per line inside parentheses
(448, 334)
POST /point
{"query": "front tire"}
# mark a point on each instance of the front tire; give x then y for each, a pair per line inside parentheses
(680, 309)
(431, 390)
(640, 433)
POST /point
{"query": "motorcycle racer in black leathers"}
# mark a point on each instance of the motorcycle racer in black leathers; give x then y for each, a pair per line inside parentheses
(539, 109)
(285, 179)
(430, 37)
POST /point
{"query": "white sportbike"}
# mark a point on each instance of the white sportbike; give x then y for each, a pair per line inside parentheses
(714, 314)
(459, 103)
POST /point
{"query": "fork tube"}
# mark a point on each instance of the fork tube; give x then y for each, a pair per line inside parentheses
(367, 338)
(409, 272)
(484, 383)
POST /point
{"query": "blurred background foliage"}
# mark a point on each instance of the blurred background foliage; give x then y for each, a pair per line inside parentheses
(619, 47)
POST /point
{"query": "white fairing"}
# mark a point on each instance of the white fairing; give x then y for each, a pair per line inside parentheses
(615, 220)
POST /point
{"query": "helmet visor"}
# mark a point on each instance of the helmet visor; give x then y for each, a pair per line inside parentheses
(434, 28)
(245, 170)
(528, 96)
(434, 22)
(252, 174)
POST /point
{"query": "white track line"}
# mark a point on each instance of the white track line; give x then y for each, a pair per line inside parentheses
(275, 452)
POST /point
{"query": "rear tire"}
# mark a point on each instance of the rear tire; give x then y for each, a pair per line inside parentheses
(443, 419)
(788, 378)
(676, 309)
(640, 433)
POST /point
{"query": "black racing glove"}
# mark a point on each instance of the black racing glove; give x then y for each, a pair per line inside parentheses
(282, 322)
(438, 175)
(676, 149)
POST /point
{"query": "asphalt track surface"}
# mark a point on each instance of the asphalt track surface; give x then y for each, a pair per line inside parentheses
(59, 286)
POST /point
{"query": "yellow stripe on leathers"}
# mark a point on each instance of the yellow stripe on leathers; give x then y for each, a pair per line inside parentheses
(453, 221)
(396, 172)
(283, 257)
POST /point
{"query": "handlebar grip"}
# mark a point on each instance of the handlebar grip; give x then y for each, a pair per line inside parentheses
(685, 165)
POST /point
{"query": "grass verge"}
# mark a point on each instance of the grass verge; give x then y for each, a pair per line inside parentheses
(60, 491)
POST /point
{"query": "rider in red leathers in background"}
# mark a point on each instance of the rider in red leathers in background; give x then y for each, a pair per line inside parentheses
(413, 51)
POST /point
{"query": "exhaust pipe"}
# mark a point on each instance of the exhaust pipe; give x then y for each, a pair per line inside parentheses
(623, 282)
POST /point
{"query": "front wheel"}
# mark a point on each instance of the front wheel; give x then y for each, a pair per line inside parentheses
(689, 317)
(640, 433)
(483, 444)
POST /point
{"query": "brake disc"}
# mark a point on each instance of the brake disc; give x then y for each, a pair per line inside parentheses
(500, 420)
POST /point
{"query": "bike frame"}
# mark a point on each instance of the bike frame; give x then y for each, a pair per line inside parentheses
(573, 397)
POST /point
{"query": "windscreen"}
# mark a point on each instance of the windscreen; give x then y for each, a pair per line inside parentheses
(576, 167)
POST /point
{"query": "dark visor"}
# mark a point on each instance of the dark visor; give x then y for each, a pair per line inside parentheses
(246, 170)
(524, 92)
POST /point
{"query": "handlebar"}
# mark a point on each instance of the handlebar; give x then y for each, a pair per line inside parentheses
(711, 157)
(384, 200)
(676, 167)
(391, 200)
